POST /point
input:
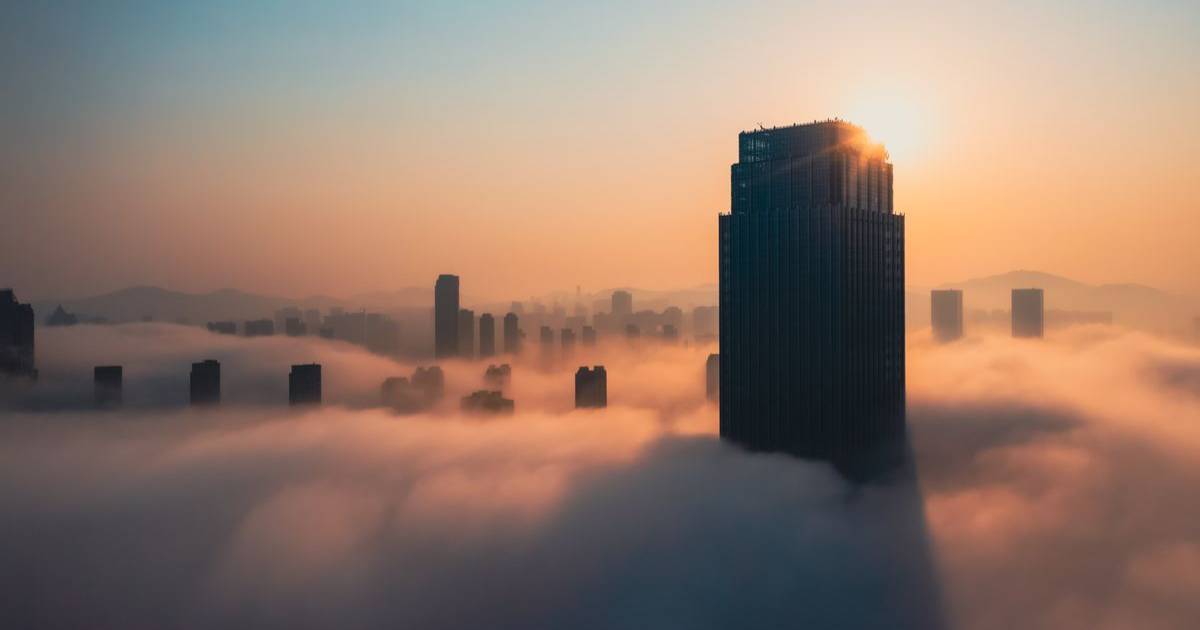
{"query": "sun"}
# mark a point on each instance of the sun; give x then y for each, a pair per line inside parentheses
(901, 125)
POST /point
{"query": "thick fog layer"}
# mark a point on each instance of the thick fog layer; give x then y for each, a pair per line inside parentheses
(1053, 487)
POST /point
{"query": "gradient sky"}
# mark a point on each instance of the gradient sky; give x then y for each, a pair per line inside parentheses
(294, 148)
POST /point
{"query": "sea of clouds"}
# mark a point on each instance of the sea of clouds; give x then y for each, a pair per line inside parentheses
(1052, 485)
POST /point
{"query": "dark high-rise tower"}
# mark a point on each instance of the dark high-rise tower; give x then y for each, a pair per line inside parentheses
(487, 335)
(206, 382)
(1028, 313)
(591, 387)
(812, 295)
(16, 337)
(466, 333)
(107, 381)
(304, 384)
(512, 334)
(445, 316)
(946, 314)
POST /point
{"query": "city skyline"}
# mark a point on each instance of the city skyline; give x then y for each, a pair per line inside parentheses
(159, 137)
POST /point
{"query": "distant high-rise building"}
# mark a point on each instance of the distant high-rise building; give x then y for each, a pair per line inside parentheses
(487, 401)
(622, 303)
(312, 320)
(304, 384)
(223, 328)
(591, 387)
(445, 317)
(712, 377)
(670, 333)
(16, 337)
(567, 337)
(259, 328)
(512, 334)
(294, 327)
(704, 323)
(946, 314)
(632, 331)
(1028, 313)
(284, 314)
(381, 335)
(546, 336)
(466, 333)
(589, 336)
(811, 260)
(487, 336)
(206, 382)
(401, 395)
(106, 380)
(431, 381)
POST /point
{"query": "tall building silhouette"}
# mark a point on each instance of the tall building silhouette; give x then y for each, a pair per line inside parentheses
(107, 383)
(811, 311)
(205, 382)
(16, 337)
(712, 377)
(304, 384)
(445, 316)
(1028, 313)
(567, 338)
(589, 336)
(946, 314)
(591, 387)
(466, 333)
(512, 334)
(622, 304)
(487, 336)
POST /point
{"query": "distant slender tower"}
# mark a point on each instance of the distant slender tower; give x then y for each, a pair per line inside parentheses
(206, 382)
(567, 338)
(946, 314)
(487, 336)
(466, 333)
(712, 377)
(512, 334)
(622, 304)
(304, 384)
(107, 381)
(445, 316)
(1028, 313)
(811, 312)
(591, 387)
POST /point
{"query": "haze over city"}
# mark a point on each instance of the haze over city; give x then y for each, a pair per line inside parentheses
(541, 315)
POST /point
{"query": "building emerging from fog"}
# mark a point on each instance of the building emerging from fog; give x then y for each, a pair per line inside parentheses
(591, 387)
(205, 382)
(16, 337)
(304, 384)
(946, 314)
(1028, 313)
(487, 336)
(512, 334)
(712, 377)
(445, 316)
(466, 333)
(107, 383)
(811, 311)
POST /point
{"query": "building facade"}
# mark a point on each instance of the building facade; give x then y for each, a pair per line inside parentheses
(445, 316)
(16, 337)
(1028, 313)
(946, 314)
(304, 384)
(466, 333)
(487, 335)
(205, 382)
(591, 387)
(811, 311)
(512, 334)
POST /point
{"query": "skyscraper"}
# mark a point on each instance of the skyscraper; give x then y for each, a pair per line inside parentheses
(512, 334)
(206, 382)
(445, 316)
(591, 387)
(487, 335)
(304, 384)
(946, 314)
(589, 336)
(1028, 313)
(567, 338)
(106, 379)
(466, 333)
(16, 337)
(622, 304)
(811, 310)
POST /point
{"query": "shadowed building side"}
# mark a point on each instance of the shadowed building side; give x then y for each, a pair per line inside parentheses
(304, 384)
(16, 337)
(107, 381)
(205, 382)
(487, 336)
(811, 294)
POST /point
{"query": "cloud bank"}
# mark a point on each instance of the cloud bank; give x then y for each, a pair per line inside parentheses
(1052, 490)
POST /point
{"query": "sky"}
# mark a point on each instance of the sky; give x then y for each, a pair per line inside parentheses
(296, 148)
